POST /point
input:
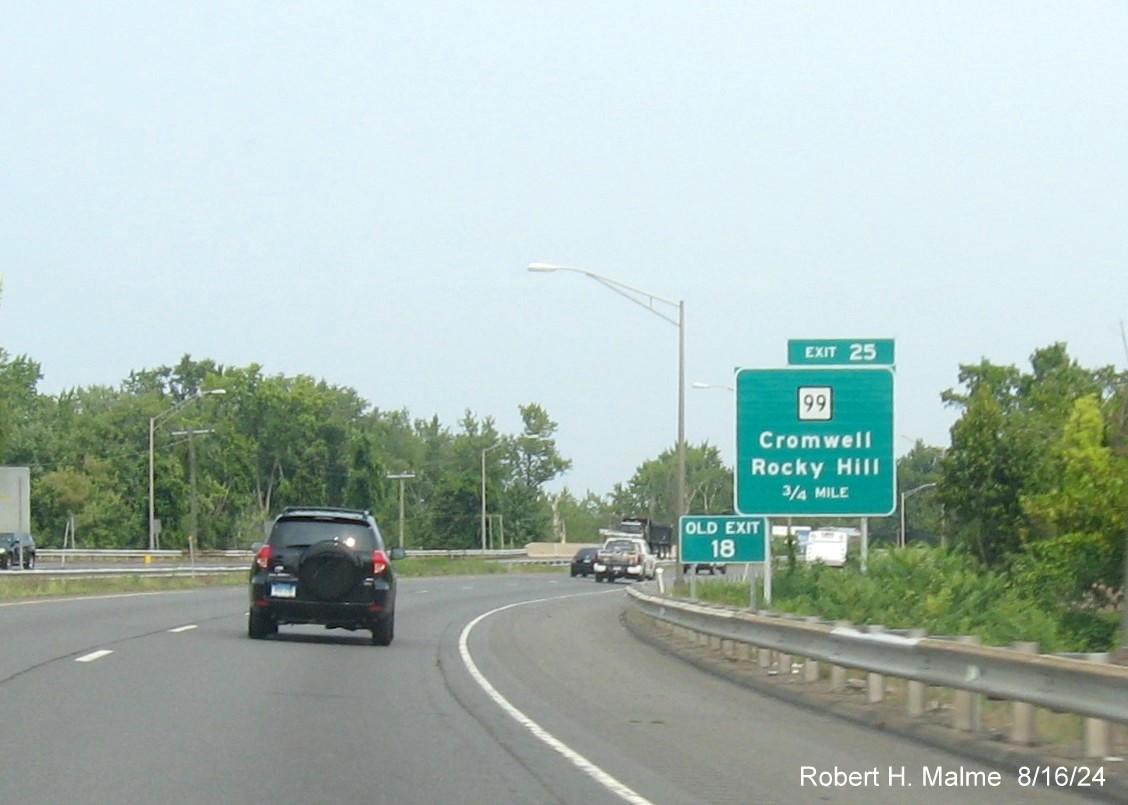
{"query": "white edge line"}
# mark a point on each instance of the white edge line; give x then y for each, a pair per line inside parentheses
(94, 655)
(578, 760)
(180, 629)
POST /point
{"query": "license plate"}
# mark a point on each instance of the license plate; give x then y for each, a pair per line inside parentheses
(283, 590)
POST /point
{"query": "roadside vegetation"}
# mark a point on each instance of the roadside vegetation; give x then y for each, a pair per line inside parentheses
(947, 592)
(20, 586)
(1022, 518)
(270, 441)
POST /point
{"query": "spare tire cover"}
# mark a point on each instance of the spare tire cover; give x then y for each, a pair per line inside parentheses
(329, 571)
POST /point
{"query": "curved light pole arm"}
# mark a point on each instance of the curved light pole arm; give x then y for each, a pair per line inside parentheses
(633, 294)
(905, 496)
(626, 291)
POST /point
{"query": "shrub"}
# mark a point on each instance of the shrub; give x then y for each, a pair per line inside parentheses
(945, 592)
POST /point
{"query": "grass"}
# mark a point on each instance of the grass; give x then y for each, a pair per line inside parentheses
(34, 586)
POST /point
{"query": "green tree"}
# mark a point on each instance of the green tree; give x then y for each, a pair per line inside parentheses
(652, 490)
(1079, 520)
(1001, 445)
(579, 520)
(533, 461)
(924, 516)
(20, 407)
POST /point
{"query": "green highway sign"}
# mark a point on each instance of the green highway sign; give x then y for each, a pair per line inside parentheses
(721, 539)
(813, 442)
(840, 352)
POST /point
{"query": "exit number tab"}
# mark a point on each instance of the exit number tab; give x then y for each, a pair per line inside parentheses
(840, 352)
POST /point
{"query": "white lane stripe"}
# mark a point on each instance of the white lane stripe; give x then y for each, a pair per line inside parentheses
(79, 599)
(180, 629)
(578, 760)
(94, 655)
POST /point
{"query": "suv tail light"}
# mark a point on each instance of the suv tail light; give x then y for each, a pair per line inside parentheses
(379, 562)
(262, 558)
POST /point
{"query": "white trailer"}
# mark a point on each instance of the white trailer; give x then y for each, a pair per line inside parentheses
(828, 546)
(15, 500)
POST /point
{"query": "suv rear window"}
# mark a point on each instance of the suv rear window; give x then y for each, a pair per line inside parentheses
(301, 533)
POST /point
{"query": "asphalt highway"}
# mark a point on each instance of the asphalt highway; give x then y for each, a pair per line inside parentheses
(502, 689)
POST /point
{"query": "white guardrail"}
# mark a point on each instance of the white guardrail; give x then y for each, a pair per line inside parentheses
(1065, 684)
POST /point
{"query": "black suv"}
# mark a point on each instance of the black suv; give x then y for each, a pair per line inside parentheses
(17, 549)
(326, 566)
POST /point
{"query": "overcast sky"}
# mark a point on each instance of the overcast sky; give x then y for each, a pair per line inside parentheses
(353, 191)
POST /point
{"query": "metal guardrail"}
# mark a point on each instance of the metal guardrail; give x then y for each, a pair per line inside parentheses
(181, 563)
(107, 553)
(94, 554)
(1064, 684)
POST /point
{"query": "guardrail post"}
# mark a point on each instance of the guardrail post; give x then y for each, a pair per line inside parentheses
(1022, 718)
(810, 670)
(1097, 731)
(965, 710)
(838, 672)
(916, 693)
(783, 664)
(764, 657)
(811, 667)
(875, 683)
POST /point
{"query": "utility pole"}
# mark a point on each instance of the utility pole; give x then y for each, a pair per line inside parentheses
(401, 477)
(193, 508)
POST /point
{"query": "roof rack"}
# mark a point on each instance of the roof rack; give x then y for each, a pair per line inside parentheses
(333, 509)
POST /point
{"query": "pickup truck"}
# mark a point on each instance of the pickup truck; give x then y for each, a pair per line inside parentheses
(624, 557)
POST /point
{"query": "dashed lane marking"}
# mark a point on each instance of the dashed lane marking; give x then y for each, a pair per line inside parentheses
(94, 655)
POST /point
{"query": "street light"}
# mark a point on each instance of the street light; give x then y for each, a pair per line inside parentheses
(633, 295)
(152, 430)
(401, 477)
(488, 449)
(721, 386)
(909, 494)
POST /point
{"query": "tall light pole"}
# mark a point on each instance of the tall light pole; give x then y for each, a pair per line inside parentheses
(488, 449)
(152, 430)
(905, 495)
(401, 477)
(637, 295)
